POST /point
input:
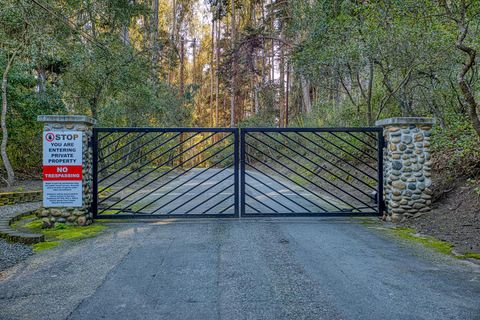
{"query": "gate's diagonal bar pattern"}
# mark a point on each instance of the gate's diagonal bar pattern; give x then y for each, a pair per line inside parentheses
(290, 189)
(184, 182)
(166, 172)
(310, 161)
(105, 136)
(260, 202)
(254, 209)
(114, 140)
(337, 157)
(288, 179)
(269, 197)
(331, 171)
(154, 169)
(141, 156)
(303, 178)
(125, 156)
(277, 192)
(228, 172)
(368, 145)
(353, 146)
(218, 203)
(161, 176)
(350, 154)
(198, 194)
(156, 179)
(138, 137)
(334, 166)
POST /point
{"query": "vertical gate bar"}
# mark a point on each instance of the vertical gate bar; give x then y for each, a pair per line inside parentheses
(94, 206)
(242, 172)
(236, 169)
(381, 146)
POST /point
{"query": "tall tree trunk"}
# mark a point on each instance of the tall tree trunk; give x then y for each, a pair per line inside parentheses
(194, 72)
(467, 91)
(234, 69)
(282, 87)
(307, 101)
(182, 66)
(124, 35)
(264, 48)
(3, 148)
(212, 55)
(41, 79)
(272, 26)
(174, 19)
(194, 58)
(217, 82)
(154, 41)
(287, 94)
(465, 87)
(369, 93)
(256, 104)
(146, 31)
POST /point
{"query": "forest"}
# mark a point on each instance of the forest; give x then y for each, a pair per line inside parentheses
(239, 63)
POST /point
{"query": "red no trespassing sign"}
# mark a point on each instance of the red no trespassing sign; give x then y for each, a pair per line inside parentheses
(62, 173)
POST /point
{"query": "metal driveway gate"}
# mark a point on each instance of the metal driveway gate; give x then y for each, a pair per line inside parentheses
(310, 171)
(154, 172)
(229, 172)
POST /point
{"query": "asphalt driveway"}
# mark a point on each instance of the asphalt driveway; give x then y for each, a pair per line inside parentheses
(302, 268)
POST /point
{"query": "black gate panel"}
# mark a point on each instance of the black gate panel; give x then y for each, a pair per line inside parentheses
(228, 172)
(309, 171)
(165, 172)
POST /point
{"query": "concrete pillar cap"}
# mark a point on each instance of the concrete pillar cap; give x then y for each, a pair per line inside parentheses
(405, 121)
(67, 119)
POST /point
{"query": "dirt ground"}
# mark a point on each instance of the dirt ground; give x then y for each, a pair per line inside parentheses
(455, 216)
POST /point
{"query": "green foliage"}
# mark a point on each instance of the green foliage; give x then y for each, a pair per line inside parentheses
(37, 247)
(459, 137)
(429, 242)
(457, 146)
(432, 243)
(54, 236)
(407, 50)
(472, 255)
(25, 105)
(69, 232)
(358, 60)
(475, 184)
(61, 231)
(58, 69)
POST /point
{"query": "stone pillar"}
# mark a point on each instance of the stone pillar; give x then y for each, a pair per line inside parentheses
(73, 215)
(407, 166)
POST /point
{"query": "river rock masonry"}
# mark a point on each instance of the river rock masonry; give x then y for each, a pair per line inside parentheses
(407, 166)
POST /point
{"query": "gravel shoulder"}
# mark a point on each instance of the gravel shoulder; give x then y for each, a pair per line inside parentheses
(23, 185)
(13, 253)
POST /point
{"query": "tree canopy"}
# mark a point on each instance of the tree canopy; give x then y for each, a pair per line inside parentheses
(237, 63)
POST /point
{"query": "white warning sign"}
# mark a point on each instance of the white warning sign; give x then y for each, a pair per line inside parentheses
(62, 168)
